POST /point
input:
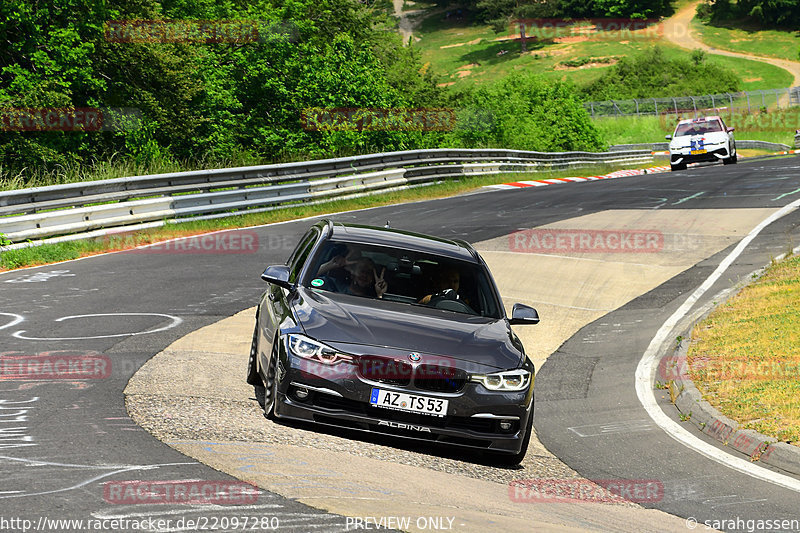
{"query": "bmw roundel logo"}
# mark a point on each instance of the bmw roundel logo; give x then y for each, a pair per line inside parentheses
(414, 356)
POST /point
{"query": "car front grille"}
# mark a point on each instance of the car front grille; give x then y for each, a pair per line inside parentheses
(439, 378)
(385, 370)
(428, 377)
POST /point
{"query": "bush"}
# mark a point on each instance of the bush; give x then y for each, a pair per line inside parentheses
(525, 112)
(653, 75)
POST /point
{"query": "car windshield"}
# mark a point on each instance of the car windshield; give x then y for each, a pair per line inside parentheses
(411, 277)
(698, 127)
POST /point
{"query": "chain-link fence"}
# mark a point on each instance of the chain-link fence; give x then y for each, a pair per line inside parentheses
(688, 106)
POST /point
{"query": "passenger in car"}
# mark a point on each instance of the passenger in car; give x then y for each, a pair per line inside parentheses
(335, 272)
(365, 281)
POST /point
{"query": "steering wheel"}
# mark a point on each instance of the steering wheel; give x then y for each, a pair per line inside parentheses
(448, 300)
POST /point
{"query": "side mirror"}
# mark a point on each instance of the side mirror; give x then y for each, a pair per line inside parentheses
(523, 314)
(729, 129)
(277, 275)
(668, 137)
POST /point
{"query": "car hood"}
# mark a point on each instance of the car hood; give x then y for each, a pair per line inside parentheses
(684, 141)
(353, 320)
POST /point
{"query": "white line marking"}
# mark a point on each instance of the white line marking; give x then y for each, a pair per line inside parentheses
(113, 470)
(595, 430)
(786, 194)
(17, 320)
(647, 367)
(175, 321)
(686, 199)
(192, 508)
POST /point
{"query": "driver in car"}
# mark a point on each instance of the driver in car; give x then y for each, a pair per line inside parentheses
(446, 285)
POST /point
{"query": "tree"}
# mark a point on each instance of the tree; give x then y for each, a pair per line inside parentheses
(501, 13)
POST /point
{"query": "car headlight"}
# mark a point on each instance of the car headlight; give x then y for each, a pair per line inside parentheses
(511, 380)
(307, 348)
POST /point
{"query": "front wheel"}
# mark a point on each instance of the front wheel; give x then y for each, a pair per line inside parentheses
(679, 166)
(271, 393)
(252, 365)
(732, 160)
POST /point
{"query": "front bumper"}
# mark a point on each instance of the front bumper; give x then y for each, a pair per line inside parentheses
(342, 400)
(679, 157)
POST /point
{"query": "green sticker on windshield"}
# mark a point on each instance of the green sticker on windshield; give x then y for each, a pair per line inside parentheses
(317, 282)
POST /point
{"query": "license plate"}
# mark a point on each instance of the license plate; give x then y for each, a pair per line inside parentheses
(401, 401)
(698, 152)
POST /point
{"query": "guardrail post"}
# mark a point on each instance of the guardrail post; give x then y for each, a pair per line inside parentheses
(635, 101)
(676, 107)
(655, 104)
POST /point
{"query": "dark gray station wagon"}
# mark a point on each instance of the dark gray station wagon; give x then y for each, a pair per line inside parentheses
(388, 331)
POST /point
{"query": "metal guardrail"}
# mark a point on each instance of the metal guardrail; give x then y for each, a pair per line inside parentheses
(42, 212)
(762, 145)
(743, 145)
(686, 106)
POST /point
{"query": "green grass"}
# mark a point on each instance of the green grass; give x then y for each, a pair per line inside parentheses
(630, 130)
(745, 357)
(776, 126)
(743, 37)
(475, 59)
(51, 253)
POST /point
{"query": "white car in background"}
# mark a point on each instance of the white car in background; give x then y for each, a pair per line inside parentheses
(701, 139)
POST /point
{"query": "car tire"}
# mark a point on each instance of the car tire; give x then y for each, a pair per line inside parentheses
(680, 166)
(253, 378)
(271, 386)
(513, 459)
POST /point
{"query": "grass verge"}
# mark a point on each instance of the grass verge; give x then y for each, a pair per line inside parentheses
(776, 126)
(746, 38)
(745, 357)
(55, 252)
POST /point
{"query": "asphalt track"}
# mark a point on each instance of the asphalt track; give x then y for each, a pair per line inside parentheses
(61, 440)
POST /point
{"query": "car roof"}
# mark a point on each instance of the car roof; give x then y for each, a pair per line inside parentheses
(700, 119)
(396, 238)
